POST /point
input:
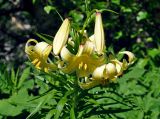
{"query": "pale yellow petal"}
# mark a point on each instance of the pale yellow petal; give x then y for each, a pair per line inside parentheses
(111, 71)
(91, 38)
(99, 72)
(42, 48)
(66, 55)
(131, 57)
(118, 65)
(88, 48)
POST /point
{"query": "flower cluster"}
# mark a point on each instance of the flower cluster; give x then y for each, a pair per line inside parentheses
(90, 63)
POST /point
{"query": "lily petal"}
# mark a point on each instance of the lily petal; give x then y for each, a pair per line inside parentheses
(66, 55)
(131, 57)
(118, 65)
(99, 72)
(91, 38)
(88, 48)
(111, 71)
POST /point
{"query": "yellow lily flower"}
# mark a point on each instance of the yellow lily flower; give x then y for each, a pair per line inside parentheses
(84, 62)
(38, 54)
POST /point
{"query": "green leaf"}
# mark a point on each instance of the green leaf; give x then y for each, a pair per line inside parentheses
(33, 1)
(136, 72)
(126, 9)
(45, 37)
(24, 76)
(13, 76)
(142, 15)
(117, 2)
(72, 113)
(61, 104)
(153, 52)
(118, 35)
(42, 101)
(50, 114)
(8, 109)
(77, 16)
(142, 62)
(48, 9)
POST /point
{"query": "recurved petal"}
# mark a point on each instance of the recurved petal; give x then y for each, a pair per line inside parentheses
(61, 37)
(99, 72)
(29, 47)
(99, 34)
(66, 55)
(42, 49)
(111, 71)
(131, 57)
(118, 65)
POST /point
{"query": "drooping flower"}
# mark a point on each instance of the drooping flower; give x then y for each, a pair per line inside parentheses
(38, 54)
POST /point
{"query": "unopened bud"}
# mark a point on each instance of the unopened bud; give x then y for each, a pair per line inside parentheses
(61, 37)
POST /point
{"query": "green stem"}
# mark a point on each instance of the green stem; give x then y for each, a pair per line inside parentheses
(75, 100)
(87, 20)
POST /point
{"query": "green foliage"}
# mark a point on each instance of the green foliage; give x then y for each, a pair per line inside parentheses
(135, 95)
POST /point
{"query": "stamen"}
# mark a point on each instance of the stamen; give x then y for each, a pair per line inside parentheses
(85, 66)
(80, 65)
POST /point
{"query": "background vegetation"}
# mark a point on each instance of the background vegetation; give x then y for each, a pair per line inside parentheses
(28, 93)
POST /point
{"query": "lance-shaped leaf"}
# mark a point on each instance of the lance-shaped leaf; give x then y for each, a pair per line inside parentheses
(61, 37)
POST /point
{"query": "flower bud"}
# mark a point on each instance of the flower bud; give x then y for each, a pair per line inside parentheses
(61, 37)
(99, 34)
